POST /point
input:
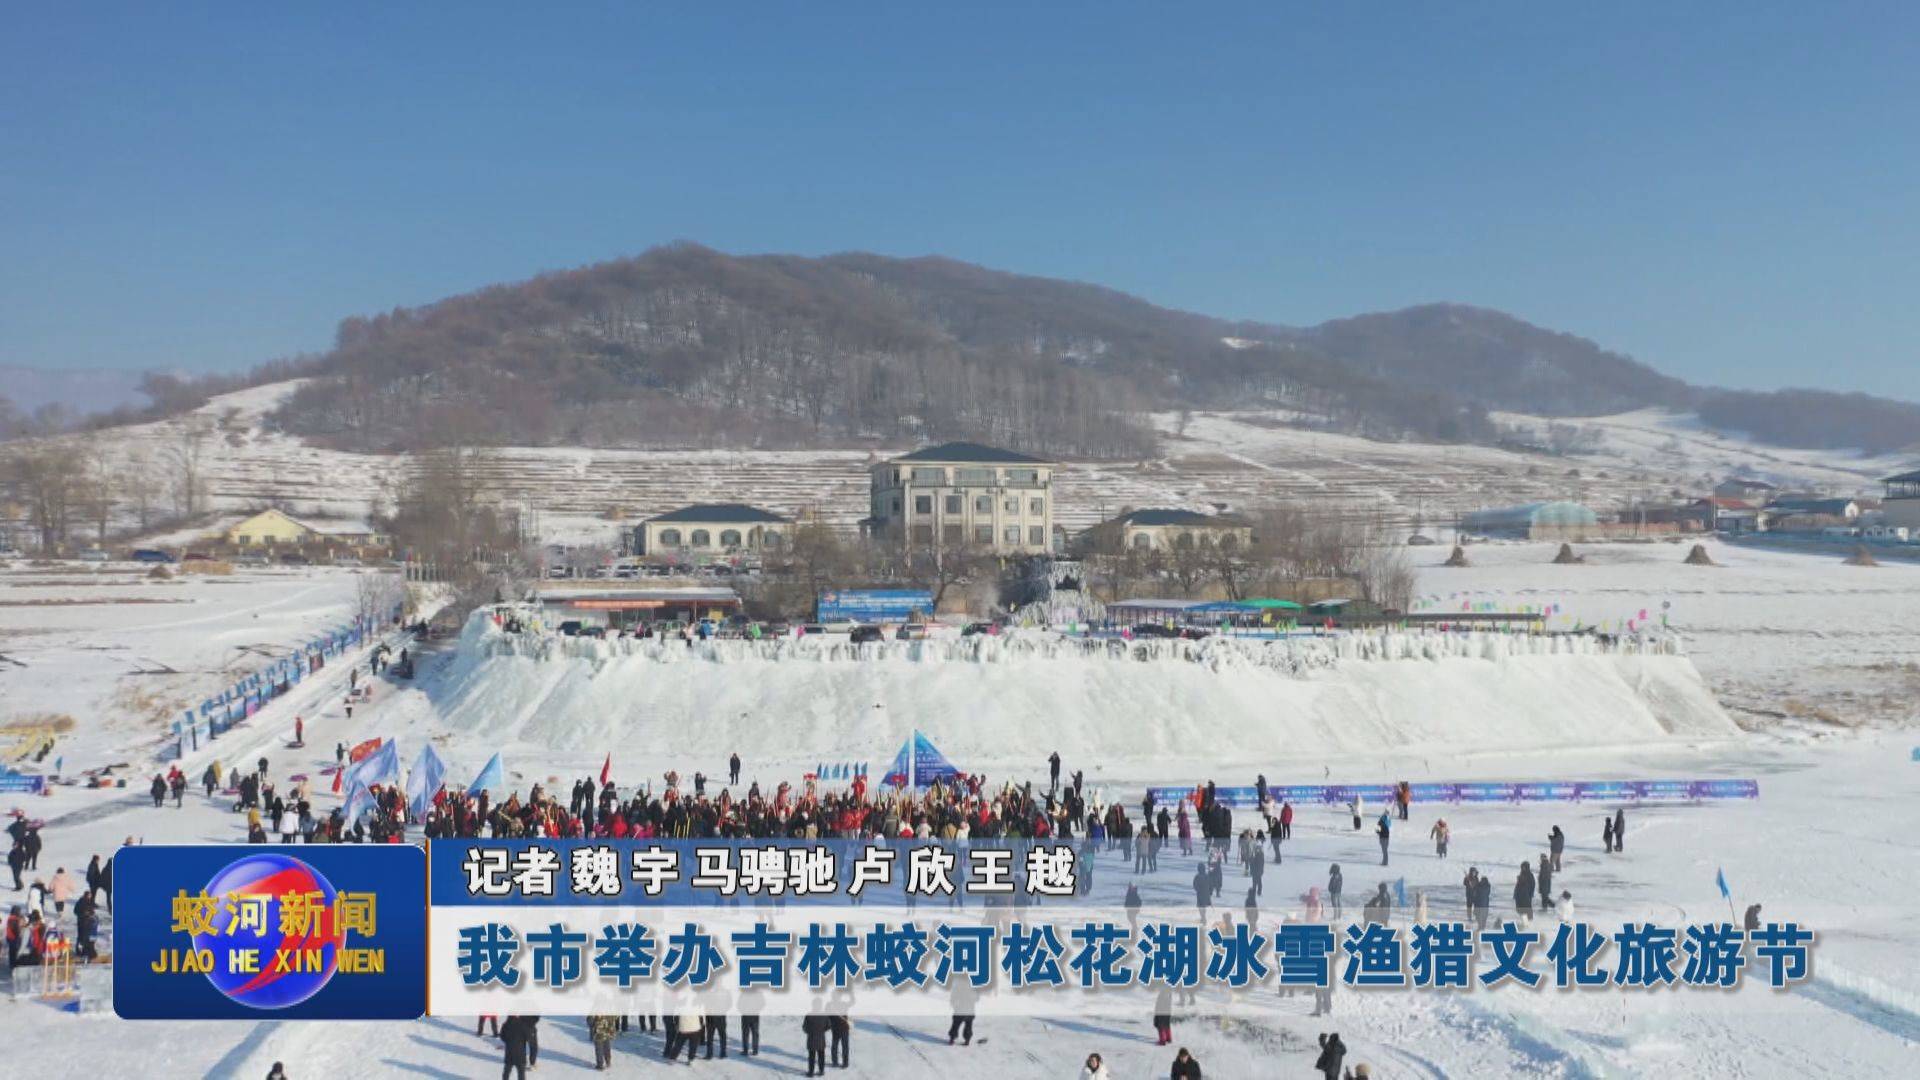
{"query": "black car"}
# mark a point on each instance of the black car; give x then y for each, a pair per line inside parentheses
(863, 634)
(1155, 630)
(973, 628)
(572, 627)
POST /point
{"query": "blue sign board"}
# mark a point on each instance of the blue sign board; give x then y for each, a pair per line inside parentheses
(875, 605)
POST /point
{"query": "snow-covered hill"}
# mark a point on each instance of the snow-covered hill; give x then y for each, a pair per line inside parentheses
(1235, 460)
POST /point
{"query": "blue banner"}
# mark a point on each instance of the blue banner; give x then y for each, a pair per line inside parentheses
(294, 932)
(1495, 791)
(875, 605)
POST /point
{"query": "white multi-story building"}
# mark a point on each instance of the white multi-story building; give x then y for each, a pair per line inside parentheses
(964, 496)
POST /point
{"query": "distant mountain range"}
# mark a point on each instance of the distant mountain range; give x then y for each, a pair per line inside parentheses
(84, 390)
(686, 346)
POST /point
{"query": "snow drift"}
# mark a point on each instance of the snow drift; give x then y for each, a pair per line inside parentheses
(1018, 696)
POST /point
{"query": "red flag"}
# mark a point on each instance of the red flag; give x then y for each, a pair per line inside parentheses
(606, 771)
(362, 750)
(337, 775)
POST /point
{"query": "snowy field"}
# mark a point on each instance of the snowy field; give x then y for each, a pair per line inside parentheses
(119, 654)
(1788, 641)
(1831, 842)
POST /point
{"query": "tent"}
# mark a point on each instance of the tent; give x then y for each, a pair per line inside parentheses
(919, 764)
(1221, 607)
(1273, 605)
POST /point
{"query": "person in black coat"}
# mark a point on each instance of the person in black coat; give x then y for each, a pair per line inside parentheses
(514, 1037)
(1185, 1066)
(1334, 883)
(1333, 1054)
(814, 1027)
(1556, 846)
(1523, 891)
(1202, 890)
(86, 919)
(1620, 829)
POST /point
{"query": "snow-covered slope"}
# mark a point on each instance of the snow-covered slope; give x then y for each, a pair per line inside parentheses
(1237, 460)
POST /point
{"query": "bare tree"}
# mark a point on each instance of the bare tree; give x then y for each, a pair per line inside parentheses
(185, 458)
(99, 487)
(377, 595)
(939, 564)
(48, 477)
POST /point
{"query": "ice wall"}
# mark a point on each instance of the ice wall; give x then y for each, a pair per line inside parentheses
(1018, 696)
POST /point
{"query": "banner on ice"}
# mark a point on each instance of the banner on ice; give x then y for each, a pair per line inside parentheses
(1476, 792)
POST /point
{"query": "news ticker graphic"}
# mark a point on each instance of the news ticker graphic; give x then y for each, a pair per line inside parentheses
(294, 932)
(924, 927)
(577, 927)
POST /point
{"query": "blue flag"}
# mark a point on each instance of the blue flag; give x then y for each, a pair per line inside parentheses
(423, 781)
(381, 766)
(1721, 877)
(492, 775)
(359, 801)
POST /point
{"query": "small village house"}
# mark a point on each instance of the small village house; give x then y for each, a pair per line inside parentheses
(1167, 530)
(273, 528)
(712, 530)
(1901, 507)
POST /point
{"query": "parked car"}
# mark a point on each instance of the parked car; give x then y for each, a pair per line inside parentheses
(559, 571)
(1154, 630)
(973, 628)
(251, 558)
(912, 632)
(294, 558)
(150, 555)
(572, 627)
(1421, 540)
(196, 556)
(808, 629)
(92, 555)
(347, 560)
(863, 634)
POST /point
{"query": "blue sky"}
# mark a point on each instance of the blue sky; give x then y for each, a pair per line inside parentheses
(1730, 192)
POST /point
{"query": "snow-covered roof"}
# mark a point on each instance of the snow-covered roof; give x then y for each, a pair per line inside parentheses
(721, 513)
(968, 452)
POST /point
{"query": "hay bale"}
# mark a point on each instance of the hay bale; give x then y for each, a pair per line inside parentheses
(1458, 558)
(1861, 557)
(160, 573)
(1566, 557)
(1698, 557)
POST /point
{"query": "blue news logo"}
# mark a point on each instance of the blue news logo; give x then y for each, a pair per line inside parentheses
(300, 933)
(271, 929)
